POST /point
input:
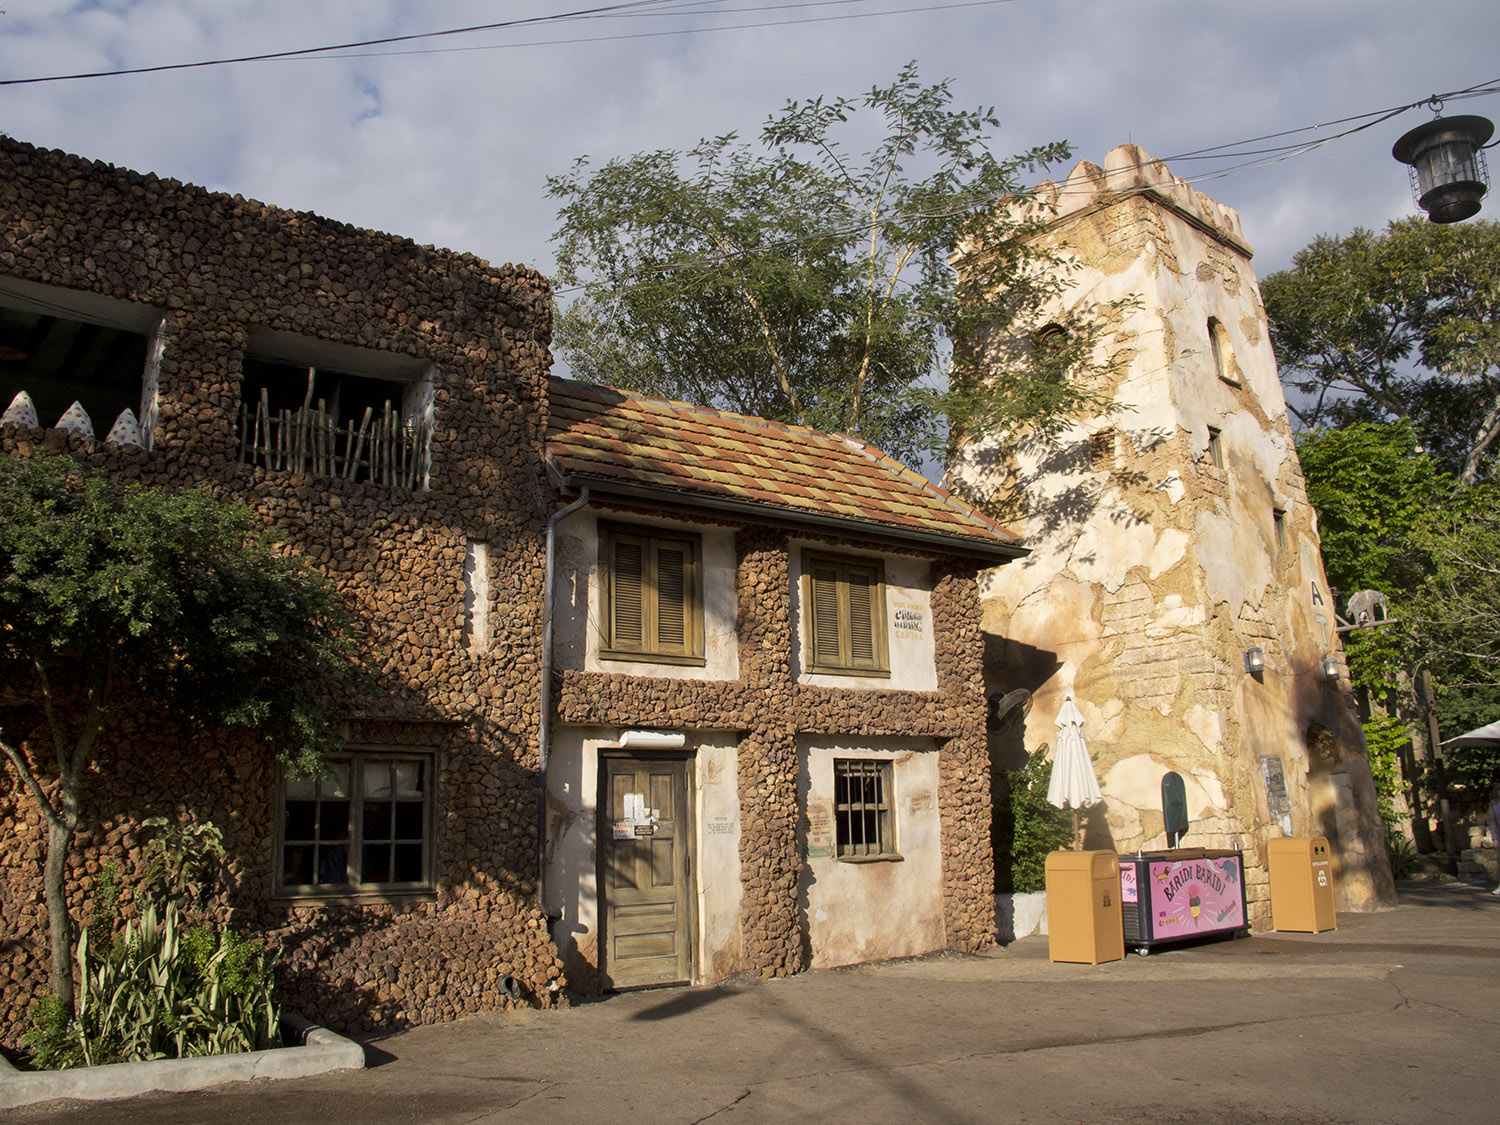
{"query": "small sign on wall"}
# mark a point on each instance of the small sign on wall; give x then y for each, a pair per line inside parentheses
(819, 831)
(910, 620)
(1278, 803)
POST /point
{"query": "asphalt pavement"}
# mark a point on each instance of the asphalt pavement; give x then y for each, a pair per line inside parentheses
(1393, 1017)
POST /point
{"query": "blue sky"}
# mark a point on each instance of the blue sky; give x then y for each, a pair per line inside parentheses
(450, 141)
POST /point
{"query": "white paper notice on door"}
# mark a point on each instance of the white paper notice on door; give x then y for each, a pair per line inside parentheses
(632, 816)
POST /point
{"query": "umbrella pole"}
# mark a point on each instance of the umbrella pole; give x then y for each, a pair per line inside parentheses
(1077, 839)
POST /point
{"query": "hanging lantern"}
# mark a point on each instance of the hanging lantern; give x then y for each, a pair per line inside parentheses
(1448, 174)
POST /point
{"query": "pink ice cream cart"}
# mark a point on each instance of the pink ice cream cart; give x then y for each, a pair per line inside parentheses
(1182, 894)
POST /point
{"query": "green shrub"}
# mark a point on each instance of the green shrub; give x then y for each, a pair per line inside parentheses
(182, 861)
(1403, 855)
(1028, 828)
(160, 991)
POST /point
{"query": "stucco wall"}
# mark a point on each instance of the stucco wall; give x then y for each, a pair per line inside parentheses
(1153, 569)
(908, 625)
(771, 712)
(863, 911)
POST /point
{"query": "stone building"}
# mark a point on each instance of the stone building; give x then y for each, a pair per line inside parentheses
(1173, 548)
(811, 736)
(796, 753)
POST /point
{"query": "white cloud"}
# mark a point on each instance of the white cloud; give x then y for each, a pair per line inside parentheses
(455, 147)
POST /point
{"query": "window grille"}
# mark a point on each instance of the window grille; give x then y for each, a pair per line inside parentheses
(862, 804)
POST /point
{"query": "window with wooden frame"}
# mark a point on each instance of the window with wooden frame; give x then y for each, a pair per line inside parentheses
(652, 594)
(1215, 448)
(845, 616)
(364, 826)
(862, 801)
(1223, 354)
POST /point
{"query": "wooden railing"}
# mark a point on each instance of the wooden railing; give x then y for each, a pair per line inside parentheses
(385, 449)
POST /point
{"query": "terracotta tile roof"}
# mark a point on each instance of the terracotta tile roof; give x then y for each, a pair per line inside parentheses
(618, 441)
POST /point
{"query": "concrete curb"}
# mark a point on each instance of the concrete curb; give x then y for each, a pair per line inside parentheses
(318, 1052)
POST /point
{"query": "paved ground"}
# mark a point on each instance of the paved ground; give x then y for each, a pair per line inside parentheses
(1393, 1017)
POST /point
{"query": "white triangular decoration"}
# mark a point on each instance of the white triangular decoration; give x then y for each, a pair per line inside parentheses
(76, 418)
(125, 431)
(20, 412)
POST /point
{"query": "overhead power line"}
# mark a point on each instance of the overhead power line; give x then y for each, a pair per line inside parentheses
(634, 9)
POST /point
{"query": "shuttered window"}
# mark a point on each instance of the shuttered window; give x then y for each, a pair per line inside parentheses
(652, 596)
(846, 616)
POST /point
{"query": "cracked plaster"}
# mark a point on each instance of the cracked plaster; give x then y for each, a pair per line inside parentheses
(1151, 572)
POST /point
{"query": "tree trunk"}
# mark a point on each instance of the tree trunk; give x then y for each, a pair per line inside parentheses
(59, 924)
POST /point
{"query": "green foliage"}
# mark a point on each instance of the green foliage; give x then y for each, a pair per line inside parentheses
(52, 1038)
(159, 991)
(1391, 520)
(185, 594)
(183, 861)
(1031, 826)
(803, 281)
(104, 905)
(1387, 737)
(180, 595)
(1402, 854)
(1399, 326)
(1374, 490)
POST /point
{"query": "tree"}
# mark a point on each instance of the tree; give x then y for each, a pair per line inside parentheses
(1391, 520)
(1375, 491)
(804, 282)
(177, 595)
(1454, 624)
(1403, 326)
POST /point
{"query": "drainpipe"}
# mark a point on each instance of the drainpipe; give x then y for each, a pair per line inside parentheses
(544, 731)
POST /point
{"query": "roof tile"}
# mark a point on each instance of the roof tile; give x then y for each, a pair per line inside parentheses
(607, 434)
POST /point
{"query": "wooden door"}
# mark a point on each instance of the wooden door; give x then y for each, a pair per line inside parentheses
(645, 871)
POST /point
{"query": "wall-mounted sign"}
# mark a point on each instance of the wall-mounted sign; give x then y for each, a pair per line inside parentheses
(909, 619)
(819, 831)
(1278, 803)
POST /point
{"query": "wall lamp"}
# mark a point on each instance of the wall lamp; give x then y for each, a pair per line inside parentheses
(1255, 660)
(1331, 670)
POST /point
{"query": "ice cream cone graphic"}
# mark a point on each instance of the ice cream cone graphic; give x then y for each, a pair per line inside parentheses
(1194, 902)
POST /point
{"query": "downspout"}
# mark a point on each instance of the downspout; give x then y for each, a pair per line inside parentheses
(544, 728)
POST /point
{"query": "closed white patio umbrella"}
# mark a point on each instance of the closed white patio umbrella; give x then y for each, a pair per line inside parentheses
(1073, 783)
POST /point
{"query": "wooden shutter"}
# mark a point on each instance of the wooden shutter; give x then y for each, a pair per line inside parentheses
(672, 563)
(846, 616)
(654, 605)
(861, 585)
(627, 603)
(826, 618)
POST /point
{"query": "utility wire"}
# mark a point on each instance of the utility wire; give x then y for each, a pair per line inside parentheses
(715, 261)
(635, 9)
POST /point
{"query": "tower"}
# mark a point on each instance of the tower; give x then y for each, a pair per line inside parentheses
(1175, 587)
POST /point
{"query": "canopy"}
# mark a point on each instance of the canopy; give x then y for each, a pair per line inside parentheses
(1483, 736)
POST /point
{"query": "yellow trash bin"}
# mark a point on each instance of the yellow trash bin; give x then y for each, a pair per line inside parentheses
(1301, 873)
(1084, 920)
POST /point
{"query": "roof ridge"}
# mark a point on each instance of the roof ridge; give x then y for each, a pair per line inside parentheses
(694, 408)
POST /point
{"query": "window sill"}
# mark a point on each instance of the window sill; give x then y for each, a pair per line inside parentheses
(888, 857)
(616, 656)
(322, 898)
(869, 673)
